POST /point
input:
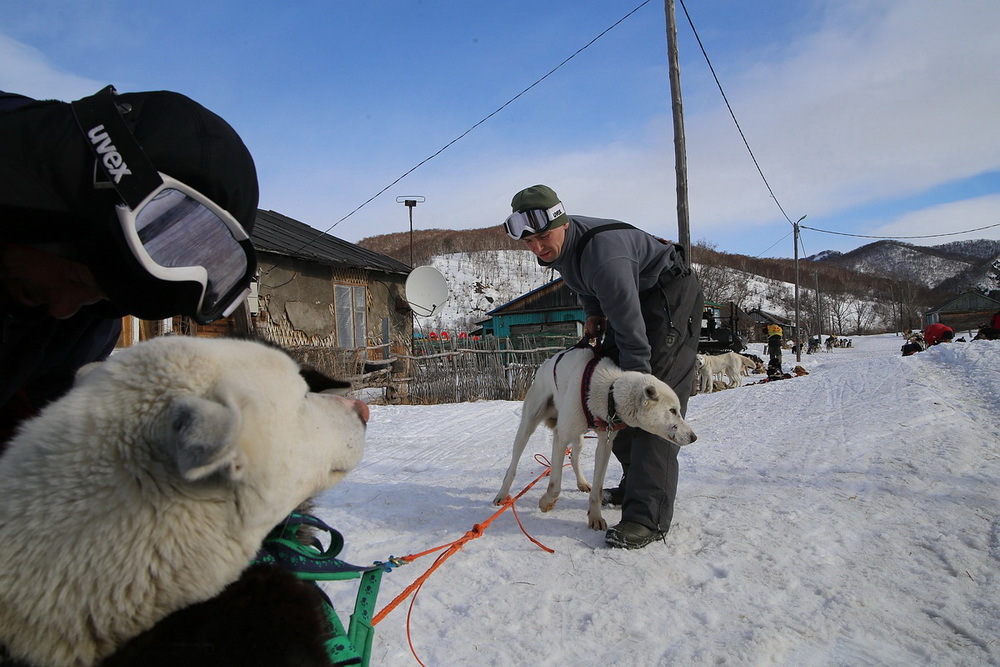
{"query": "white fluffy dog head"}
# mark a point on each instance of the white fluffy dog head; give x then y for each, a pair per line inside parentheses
(150, 486)
(644, 401)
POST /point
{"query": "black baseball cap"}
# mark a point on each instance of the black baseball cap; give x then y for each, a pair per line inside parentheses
(49, 196)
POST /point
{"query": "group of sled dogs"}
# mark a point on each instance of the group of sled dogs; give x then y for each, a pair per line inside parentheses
(714, 372)
(131, 508)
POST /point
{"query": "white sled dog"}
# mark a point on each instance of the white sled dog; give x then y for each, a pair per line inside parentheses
(150, 486)
(556, 397)
(729, 364)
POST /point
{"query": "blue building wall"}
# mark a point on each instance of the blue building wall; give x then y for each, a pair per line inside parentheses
(499, 325)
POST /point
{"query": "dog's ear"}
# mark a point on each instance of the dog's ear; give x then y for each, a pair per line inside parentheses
(199, 437)
(651, 393)
(321, 383)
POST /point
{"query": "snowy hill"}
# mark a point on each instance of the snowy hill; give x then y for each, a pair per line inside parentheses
(981, 249)
(963, 264)
(899, 259)
(480, 281)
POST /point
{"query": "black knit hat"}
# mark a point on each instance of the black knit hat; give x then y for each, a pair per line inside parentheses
(49, 195)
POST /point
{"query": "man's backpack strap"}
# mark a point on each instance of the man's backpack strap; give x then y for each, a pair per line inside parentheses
(589, 234)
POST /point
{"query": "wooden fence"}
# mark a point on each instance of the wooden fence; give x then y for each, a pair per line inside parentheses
(448, 371)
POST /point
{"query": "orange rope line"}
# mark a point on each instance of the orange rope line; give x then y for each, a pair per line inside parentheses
(476, 531)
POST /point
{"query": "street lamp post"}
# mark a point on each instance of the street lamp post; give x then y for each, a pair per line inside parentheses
(410, 202)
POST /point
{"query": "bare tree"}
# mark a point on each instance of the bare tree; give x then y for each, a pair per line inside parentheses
(713, 282)
(863, 312)
(839, 307)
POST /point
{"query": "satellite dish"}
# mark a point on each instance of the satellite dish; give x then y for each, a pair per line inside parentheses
(426, 291)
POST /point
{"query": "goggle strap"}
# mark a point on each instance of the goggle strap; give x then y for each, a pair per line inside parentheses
(554, 212)
(119, 156)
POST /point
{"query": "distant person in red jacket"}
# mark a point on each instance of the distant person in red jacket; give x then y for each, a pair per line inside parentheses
(938, 333)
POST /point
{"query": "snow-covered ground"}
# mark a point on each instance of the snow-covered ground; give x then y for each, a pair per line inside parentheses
(847, 517)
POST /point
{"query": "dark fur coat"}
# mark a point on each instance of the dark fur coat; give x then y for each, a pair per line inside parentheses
(266, 617)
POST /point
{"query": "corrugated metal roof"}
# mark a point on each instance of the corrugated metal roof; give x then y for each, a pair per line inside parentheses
(966, 302)
(527, 295)
(281, 235)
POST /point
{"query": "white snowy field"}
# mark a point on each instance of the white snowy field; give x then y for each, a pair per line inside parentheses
(847, 517)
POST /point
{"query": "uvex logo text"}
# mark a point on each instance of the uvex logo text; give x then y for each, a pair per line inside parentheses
(112, 159)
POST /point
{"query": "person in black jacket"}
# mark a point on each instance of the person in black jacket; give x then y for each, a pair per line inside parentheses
(138, 203)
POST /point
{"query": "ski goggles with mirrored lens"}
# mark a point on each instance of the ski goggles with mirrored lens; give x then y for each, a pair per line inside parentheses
(176, 234)
(534, 220)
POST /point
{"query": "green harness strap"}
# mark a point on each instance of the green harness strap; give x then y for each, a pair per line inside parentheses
(311, 562)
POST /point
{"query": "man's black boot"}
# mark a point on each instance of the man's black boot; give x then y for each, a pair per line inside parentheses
(631, 535)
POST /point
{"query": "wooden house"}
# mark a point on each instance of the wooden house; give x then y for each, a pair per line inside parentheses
(967, 311)
(549, 310)
(324, 299)
(761, 318)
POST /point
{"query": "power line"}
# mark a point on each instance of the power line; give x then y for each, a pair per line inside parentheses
(764, 178)
(463, 134)
(494, 113)
(773, 244)
(891, 238)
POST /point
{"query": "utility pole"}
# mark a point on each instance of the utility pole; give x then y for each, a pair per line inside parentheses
(680, 148)
(798, 332)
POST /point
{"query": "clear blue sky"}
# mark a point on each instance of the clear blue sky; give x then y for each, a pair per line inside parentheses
(872, 117)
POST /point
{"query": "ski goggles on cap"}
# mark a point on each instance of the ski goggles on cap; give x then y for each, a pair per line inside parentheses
(176, 234)
(534, 220)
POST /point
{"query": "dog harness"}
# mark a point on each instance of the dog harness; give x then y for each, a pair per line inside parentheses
(613, 421)
(588, 373)
(311, 562)
(582, 343)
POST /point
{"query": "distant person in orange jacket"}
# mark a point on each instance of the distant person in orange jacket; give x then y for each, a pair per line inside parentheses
(774, 335)
(938, 333)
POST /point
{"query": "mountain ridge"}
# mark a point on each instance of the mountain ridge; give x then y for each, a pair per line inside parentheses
(947, 269)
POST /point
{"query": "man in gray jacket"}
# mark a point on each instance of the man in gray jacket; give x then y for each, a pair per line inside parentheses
(639, 293)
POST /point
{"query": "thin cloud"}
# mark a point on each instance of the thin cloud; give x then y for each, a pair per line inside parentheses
(866, 111)
(952, 216)
(853, 121)
(26, 70)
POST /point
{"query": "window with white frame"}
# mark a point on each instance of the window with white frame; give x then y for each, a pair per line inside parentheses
(349, 303)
